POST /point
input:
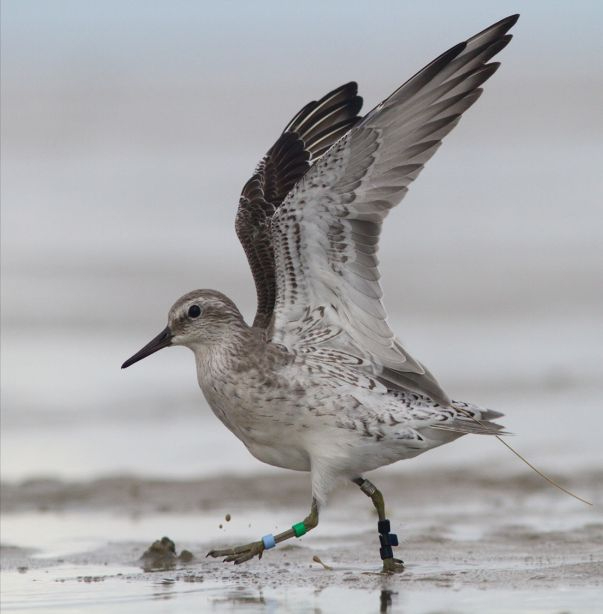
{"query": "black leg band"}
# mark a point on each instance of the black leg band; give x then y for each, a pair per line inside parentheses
(386, 553)
(391, 539)
(386, 539)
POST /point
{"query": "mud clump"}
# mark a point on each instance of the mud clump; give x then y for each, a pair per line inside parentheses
(161, 555)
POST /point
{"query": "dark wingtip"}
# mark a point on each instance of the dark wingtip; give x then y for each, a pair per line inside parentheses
(353, 86)
(508, 22)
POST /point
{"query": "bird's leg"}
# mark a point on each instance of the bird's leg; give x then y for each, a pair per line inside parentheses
(240, 554)
(387, 539)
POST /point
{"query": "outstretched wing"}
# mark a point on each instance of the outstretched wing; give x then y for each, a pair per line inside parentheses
(306, 137)
(326, 232)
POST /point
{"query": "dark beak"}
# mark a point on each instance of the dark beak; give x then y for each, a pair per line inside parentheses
(162, 340)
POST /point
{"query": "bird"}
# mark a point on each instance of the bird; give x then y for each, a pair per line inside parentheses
(319, 382)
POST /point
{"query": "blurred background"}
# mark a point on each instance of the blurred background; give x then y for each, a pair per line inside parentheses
(128, 129)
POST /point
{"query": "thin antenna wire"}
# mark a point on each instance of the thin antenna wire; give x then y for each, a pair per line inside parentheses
(542, 475)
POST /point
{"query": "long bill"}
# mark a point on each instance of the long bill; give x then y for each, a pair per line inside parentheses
(162, 340)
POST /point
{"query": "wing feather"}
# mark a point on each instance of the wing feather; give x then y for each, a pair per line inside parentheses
(326, 232)
(310, 133)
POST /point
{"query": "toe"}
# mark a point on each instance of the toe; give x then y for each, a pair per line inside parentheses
(218, 553)
(243, 555)
(242, 558)
(239, 555)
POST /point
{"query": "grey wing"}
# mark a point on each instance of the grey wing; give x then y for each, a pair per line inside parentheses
(305, 138)
(326, 232)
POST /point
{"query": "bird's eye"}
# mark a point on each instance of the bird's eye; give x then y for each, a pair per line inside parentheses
(194, 311)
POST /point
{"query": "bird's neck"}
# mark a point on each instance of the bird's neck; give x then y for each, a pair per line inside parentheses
(224, 355)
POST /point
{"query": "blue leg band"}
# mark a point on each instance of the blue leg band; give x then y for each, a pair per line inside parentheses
(268, 541)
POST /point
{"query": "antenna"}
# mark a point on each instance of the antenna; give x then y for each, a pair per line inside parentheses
(540, 473)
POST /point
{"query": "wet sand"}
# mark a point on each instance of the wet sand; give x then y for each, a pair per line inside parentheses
(471, 543)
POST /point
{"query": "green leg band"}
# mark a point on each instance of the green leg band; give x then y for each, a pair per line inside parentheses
(299, 529)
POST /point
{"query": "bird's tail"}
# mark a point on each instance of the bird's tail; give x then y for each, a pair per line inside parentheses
(470, 418)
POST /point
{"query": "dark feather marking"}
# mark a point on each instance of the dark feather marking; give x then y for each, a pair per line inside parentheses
(306, 137)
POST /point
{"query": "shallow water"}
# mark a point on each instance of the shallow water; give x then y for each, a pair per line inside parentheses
(118, 590)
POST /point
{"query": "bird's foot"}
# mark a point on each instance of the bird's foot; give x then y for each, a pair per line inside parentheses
(391, 566)
(240, 554)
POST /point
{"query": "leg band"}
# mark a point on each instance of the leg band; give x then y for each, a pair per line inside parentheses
(383, 527)
(268, 541)
(389, 539)
(299, 529)
(386, 552)
(386, 539)
(368, 488)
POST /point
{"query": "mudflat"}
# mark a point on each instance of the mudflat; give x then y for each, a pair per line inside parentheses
(471, 543)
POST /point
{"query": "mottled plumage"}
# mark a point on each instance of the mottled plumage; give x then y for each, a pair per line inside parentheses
(320, 382)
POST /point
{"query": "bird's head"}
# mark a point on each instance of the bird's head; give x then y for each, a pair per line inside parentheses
(198, 319)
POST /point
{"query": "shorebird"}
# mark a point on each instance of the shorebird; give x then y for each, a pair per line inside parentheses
(320, 382)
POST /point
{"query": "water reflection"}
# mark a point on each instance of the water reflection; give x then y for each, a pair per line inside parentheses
(125, 591)
(242, 596)
(386, 599)
(164, 589)
(324, 599)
